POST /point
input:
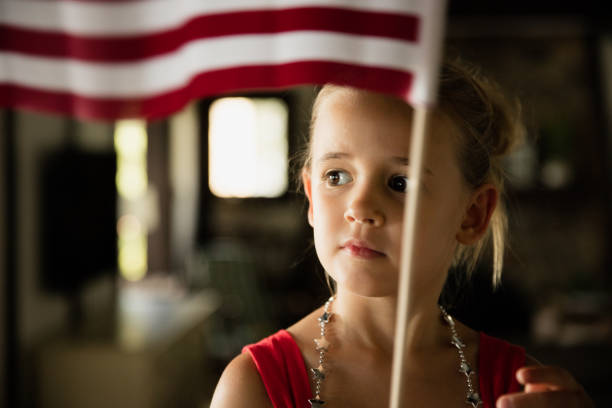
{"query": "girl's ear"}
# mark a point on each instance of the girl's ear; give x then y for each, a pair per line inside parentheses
(478, 215)
(307, 182)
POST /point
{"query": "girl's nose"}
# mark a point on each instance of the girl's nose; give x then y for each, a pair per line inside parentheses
(361, 212)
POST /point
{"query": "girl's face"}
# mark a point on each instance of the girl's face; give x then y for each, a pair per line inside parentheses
(356, 187)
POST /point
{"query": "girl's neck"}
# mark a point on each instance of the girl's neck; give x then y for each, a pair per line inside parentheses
(370, 322)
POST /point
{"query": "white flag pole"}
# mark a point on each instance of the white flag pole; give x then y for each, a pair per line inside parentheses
(417, 150)
(423, 98)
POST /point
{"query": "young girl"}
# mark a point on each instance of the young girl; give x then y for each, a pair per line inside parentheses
(355, 176)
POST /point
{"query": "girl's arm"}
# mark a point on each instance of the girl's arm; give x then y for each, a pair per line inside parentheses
(240, 386)
(546, 387)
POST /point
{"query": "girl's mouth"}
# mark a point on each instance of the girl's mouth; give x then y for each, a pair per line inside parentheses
(361, 250)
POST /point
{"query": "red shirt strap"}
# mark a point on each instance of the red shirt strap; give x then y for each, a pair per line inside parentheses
(498, 363)
(282, 370)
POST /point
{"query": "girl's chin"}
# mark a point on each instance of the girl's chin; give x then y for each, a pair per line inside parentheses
(366, 283)
(369, 292)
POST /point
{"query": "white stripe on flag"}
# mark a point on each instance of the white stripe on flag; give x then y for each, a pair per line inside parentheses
(167, 72)
(138, 17)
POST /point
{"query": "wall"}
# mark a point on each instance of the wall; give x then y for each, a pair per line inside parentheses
(42, 314)
(606, 78)
(39, 312)
(2, 264)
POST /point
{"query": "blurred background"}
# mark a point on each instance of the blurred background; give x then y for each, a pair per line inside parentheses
(138, 258)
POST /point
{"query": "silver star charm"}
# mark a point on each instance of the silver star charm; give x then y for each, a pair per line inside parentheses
(465, 369)
(456, 341)
(316, 403)
(322, 343)
(474, 399)
(318, 373)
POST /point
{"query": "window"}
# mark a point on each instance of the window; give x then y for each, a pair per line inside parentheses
(248, 147)
(131, 148)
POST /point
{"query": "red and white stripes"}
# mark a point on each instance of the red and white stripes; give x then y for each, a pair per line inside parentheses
(147, 58)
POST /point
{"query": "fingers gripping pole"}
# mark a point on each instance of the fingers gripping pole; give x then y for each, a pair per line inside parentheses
(417, 149)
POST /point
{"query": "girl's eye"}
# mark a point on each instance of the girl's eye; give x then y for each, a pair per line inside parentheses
(337, 177)
(398, 183)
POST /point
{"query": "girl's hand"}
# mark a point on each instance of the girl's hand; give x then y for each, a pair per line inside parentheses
(546, 387)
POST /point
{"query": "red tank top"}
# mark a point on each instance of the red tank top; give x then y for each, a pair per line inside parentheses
(283, 371)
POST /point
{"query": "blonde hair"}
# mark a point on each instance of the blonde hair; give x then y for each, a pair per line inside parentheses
(489, 125)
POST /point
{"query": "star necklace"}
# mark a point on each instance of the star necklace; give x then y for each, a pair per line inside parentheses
(322, 345)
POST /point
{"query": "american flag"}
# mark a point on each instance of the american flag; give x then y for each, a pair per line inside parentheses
(115, 59)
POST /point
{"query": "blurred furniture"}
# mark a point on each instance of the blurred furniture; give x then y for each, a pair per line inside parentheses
(154, 358)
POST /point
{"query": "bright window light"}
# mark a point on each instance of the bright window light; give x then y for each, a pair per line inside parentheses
(132, 185)
(131, 147)
(132, 248)
(248, 147)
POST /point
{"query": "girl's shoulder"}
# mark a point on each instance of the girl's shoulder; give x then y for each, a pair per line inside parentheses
(240, 374)
(243, 374)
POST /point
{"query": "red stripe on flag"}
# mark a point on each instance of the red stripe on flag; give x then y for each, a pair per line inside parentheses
(207, 84)
(132, 48)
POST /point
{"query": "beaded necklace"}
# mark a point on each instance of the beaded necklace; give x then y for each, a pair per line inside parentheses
(322, 345)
